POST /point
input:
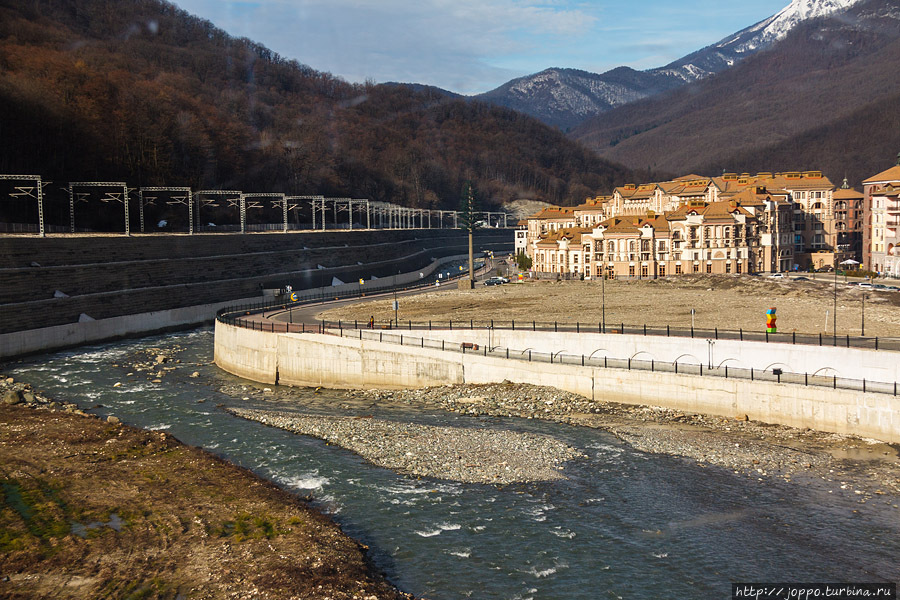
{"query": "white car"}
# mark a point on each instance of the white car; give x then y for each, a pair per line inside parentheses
(777, 275)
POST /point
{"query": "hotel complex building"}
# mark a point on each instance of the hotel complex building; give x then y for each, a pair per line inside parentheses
(881, 237)
(767, 222)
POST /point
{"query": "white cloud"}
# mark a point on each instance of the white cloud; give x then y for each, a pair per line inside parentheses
(470, 46)
(452, 43)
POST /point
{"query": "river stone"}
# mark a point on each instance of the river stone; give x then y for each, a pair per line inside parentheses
(12, 397)
(29, 397)
(113, 420)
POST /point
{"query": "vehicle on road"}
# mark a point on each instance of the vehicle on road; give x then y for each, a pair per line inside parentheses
(495, 281)
(777, 275)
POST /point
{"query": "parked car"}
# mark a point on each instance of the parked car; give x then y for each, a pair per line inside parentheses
(494, 281)
(777, 275)
(801, 278)
(866, 286)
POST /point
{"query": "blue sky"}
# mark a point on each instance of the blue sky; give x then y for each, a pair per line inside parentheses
(472, 46)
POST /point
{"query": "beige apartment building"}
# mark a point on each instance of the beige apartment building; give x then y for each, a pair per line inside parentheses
(736, 223)
(718, 237)
(881, 241)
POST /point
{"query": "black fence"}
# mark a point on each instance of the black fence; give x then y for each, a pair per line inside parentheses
(807, 339)
(387, 335)
(392, 332)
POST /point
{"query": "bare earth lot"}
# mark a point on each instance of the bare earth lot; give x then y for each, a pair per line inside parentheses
(726, 302)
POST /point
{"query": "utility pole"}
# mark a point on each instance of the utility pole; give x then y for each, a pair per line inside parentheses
(468, 222)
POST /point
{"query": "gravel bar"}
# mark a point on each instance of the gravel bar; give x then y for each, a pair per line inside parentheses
(470, 455)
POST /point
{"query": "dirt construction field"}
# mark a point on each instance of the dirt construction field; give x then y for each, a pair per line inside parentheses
(726, 302)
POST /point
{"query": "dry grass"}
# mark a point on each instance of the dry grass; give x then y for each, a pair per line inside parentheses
(726, 302)
(160, 520)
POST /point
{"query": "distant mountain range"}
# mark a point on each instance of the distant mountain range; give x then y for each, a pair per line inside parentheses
(565, 98)
(823, 96)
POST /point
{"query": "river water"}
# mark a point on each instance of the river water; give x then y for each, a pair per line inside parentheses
(624, 524)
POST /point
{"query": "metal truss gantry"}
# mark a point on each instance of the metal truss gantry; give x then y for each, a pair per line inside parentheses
(109, 197)
(232, 199)
(185, 198)
(279, 201)
(386, 215)
(35, 191)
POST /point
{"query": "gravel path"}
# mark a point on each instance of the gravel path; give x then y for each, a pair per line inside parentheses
(454, 453)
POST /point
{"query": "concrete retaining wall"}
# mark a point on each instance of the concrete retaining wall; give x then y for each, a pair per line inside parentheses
(44, 339)
(327, 360)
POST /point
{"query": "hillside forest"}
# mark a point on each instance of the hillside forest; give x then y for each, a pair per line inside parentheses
(143, 92)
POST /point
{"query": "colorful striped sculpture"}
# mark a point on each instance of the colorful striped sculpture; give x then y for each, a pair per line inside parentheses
(770, 321)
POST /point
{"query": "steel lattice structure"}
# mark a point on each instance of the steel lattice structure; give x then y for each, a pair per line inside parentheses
(36, 191)
(185, 199)
(110, 197)
(386, 215)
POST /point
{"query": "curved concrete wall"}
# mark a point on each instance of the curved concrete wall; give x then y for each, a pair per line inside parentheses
(332, 361)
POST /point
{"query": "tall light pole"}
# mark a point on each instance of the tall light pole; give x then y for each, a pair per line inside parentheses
(862, 325)
(834, 316)
(603, 295)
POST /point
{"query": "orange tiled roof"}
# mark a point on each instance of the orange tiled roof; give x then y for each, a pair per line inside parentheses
(631, 225)
(568, 233)
(848, 194)
(892, 174)
(553, 212)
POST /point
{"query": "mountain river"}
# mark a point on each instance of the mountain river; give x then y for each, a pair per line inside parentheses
(622, 524)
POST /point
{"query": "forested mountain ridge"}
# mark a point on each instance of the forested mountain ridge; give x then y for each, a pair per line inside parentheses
(141, 91)
(824, 97)
(565, 98)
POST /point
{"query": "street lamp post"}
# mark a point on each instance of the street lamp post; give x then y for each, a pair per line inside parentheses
(862, 325)
(603, 295)
(834, 315)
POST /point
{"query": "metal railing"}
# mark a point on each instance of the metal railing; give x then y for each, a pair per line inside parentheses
(560, 358)
(392, 332)
(793, 338)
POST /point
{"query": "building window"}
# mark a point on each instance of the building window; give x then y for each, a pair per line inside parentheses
(662, 270)
(728, 266)
(709, 267)
(678, 268)
(738, 267)
(631, 270)
(645, 271)
(696, 268)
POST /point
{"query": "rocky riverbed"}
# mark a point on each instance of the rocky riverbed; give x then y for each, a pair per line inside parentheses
(757, 449)
(866, 468)
(454, 453)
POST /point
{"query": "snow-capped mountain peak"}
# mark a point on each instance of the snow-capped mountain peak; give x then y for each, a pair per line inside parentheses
(779, 25)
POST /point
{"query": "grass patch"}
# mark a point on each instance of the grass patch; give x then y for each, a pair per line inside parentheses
(248, 527)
